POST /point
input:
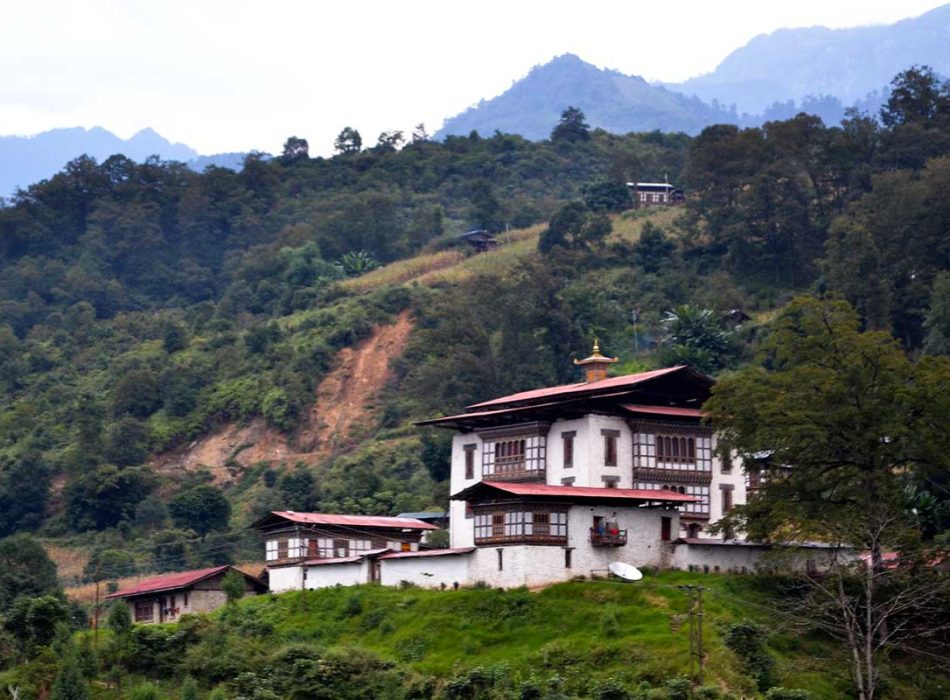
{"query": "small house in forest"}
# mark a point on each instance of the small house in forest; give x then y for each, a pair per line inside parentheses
(166, 598)
(655, 194)
(480, 239)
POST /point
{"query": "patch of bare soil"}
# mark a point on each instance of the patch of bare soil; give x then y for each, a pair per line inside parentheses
(345, 396)
(343, 405)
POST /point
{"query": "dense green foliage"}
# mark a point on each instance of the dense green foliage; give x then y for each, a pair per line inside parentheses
(593, 640)
(142, 306)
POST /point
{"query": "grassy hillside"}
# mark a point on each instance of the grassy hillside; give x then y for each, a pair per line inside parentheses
(581, 639)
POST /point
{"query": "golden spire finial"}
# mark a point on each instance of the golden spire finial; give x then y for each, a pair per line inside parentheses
(596, 365)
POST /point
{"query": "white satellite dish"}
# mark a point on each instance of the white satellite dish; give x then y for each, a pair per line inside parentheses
(625, 571)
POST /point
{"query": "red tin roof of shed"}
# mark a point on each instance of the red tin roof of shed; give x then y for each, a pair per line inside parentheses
(353, 520)
(171, 582)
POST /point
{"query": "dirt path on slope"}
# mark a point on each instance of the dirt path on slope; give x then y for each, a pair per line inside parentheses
(343, 405)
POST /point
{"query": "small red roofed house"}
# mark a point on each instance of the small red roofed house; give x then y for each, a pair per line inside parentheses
(166, 598)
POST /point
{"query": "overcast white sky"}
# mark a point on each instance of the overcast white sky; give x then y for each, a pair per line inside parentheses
(235, 75)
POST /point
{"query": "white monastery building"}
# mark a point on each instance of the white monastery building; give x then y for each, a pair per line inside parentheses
(547, 485)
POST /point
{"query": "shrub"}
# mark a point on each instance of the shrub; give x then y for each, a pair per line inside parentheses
(146, 691)
(610, 622)
(748, 642)
(778, 693)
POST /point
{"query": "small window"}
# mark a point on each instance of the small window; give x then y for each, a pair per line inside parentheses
(469, 461)
(144, 611)
(610, 447)
(405, 547)
(282, 548)
(568, 449)
(567, 557)
(726, 500)
(501, 560)
(498, 524)
(725, 457)
(341, 548)
(184, 601)
(666, 525)
(378, 544)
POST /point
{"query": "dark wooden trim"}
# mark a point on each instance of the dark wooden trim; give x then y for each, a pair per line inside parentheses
(522, 539)
(610, 432)
(567, 481)
(727, 487)
(610, 479)
(569, 434)
(682, 476)
(533, 429)
(539, 475)
(694, 429)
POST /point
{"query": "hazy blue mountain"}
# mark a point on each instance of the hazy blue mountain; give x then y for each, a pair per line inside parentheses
(610, 100)
(28, 159)
(792, 64)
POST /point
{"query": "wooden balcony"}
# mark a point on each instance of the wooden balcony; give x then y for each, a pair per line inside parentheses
(603, 538)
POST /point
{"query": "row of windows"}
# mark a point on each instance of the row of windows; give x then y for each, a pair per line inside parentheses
(520, 524)
(678, 452)
(651, 451)
(318, 548)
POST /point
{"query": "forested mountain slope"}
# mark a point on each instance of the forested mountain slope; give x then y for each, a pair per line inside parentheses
(611, 100)
(150, 311)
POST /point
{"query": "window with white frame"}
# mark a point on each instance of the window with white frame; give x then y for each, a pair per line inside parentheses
(680, 452)
(520, 525)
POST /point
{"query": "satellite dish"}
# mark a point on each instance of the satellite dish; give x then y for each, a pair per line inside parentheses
(625, 571)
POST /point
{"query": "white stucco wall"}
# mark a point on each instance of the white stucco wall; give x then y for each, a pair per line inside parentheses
(284, 578)
(718, 558)
(427, 572)
(462, 529)
(736, 478)
(555, 452)
(531, 565)
(596, 451)
(737, 558)
(327, 575)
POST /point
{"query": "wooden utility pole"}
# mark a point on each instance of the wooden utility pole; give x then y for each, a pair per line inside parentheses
(95, 613)
(695, 595)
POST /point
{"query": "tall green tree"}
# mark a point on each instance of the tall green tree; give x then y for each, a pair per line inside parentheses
(575, 228)
(69, 683)
(572, 127)
(25, 570)
(348, 141)
(846, 419)
(201, 508)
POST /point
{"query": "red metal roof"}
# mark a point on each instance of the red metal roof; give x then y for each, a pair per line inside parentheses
(529, 489)
(171, 582)
(428, 553)
(663, 410)
(628, 380)
(352, 520)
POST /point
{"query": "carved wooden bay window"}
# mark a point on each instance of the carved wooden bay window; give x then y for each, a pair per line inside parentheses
(515, 453)
(520, 523)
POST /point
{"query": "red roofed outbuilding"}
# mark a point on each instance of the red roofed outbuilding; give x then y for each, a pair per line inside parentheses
(166, 598)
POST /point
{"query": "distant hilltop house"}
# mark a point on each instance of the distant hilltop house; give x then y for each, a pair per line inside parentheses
(480, 239)
(166, 598)
(655, 194)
